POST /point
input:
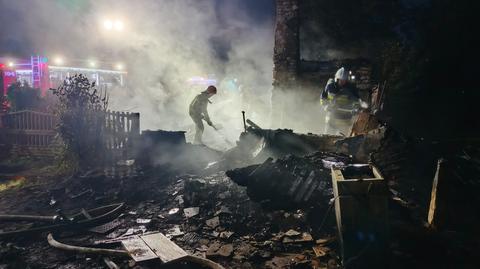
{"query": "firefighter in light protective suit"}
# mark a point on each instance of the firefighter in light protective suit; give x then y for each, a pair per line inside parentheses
(198, 112)
(342, 101)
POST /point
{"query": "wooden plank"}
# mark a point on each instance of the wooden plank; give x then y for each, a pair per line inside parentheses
(29, 132)
(433, 198)
(165, 249)
(128, 122)
(138, 249)
(136, 123)
(114, 129)
(361, 210)
(123, 129)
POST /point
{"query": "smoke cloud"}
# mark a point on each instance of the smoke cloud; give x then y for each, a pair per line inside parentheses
(162, 45)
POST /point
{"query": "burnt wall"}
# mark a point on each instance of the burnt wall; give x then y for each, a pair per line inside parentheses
(286, 58)
(344, 29)
(286, 52)
(307, 53)
(423, 49)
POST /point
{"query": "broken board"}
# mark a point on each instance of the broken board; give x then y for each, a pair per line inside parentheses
(361, 210)
(138, 250)
(165, 249)
(153, 246)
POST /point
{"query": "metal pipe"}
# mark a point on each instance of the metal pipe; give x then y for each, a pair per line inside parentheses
(29, 218)
(99, 251)
(244, 123)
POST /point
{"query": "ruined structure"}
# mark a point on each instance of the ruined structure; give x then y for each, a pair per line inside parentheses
(304, 59)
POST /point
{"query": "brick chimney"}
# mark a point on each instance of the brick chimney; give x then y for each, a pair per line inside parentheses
(286, 57)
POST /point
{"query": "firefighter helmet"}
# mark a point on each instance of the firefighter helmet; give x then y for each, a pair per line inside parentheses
(212, 89)
(341, 74)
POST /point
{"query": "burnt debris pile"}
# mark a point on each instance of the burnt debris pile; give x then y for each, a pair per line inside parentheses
(291, 181)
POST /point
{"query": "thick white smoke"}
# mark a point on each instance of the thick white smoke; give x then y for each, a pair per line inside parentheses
(163, 44)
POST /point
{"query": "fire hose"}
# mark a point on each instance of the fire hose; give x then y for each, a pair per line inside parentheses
(123, 253)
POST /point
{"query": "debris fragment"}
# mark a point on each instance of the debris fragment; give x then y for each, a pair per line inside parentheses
(143, 221)
(191, 211)
(213, 248)
(225, 250)
(135, 230)
(107, 227)
(173, 211)
(292, 232)
(223, 210)
(213, 222)
(226, 234)
(174, 232)
(320, 251)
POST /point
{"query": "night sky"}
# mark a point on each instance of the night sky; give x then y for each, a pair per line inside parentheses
(17, 39)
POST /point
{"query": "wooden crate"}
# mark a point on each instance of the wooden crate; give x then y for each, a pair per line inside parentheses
(361, 209)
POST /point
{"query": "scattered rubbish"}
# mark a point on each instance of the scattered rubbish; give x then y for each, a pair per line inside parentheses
(324, 241)
(107, 227)
(299, 181)
(174, 232)
(225, 235)
(173, 211)
(329, 162)
(179, 199)
(143, 221)
(292, 232)
(299, 238)
(82, 220)
(223, 210)
(225, 195)
(217, 249)
(320, 251)
(225, 250)
(202, 248)
(135, 230)
(213, 248)
(213, 222)
(285, 261)
(191, 211)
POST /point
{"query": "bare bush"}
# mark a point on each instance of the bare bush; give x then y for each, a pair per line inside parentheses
(80, 110)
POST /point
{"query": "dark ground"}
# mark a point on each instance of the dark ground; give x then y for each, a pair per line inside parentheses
(249, 234)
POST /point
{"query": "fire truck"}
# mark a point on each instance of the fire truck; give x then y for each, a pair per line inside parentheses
(41, 74)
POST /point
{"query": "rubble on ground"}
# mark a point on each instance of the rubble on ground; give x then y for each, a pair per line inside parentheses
(277, 213)
(298, 180)
(257, 145)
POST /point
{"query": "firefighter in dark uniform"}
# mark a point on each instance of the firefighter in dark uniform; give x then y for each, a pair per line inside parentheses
(341, 100)
(198, 112)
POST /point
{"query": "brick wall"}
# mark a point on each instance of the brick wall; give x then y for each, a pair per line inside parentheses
(286, 56)
(298, 83)
(286, 52)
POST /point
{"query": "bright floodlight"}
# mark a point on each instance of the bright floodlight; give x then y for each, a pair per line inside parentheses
(58, 61)
(10, 64)
(119, 66)
(118, 25)
(92, 63)
(108, 24)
